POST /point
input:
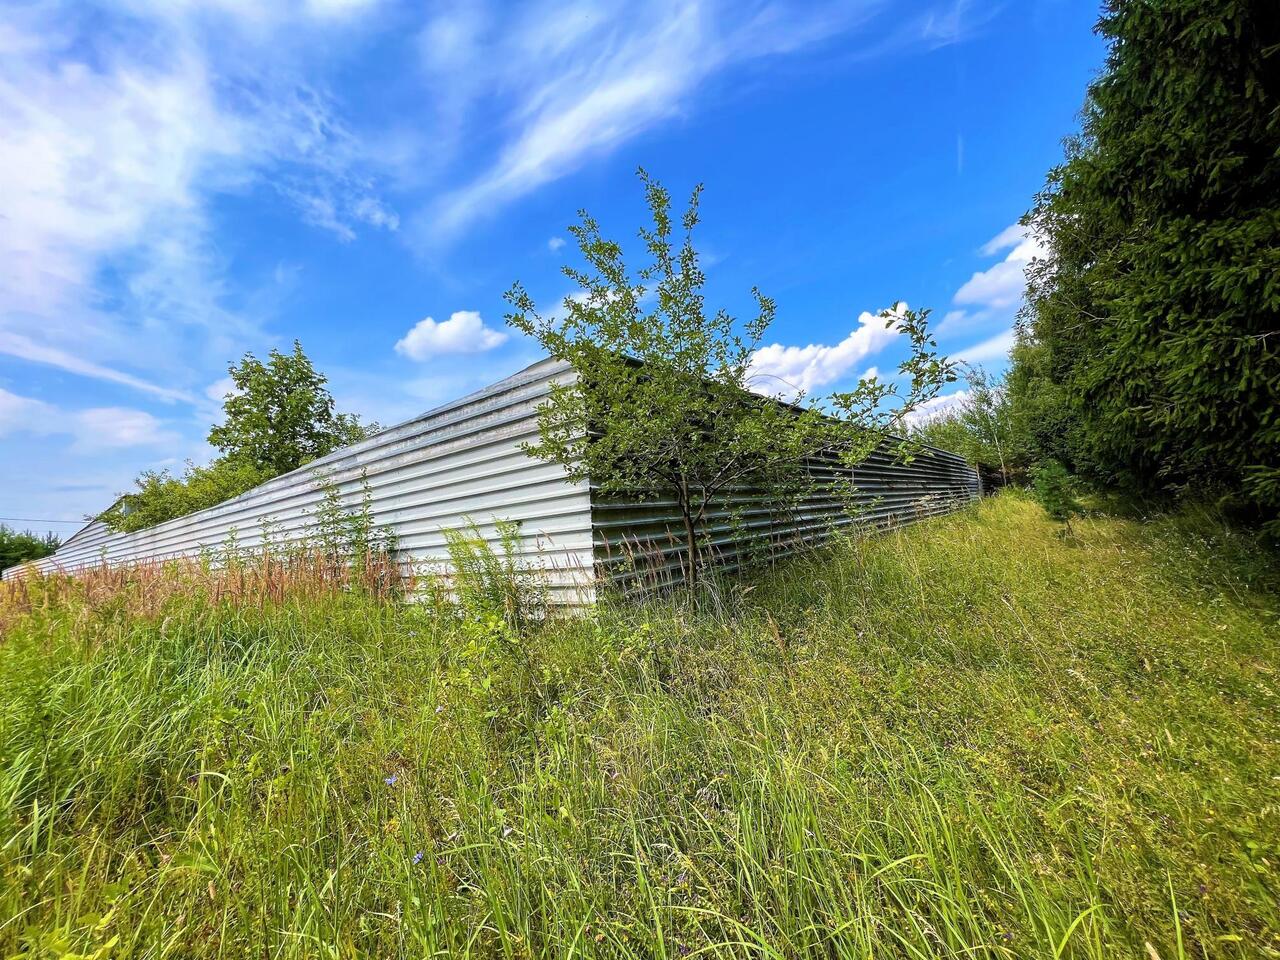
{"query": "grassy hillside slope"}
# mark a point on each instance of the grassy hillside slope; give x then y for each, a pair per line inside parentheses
(970, 739)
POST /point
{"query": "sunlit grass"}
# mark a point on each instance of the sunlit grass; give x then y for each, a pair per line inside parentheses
(973, 738)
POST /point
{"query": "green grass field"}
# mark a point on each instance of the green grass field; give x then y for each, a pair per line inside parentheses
(972, 739)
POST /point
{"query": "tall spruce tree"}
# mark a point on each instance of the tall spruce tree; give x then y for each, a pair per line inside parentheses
(1157, 315)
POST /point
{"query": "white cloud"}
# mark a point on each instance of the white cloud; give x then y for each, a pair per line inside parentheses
(990, 297)
(951, 23)
(937, 407)
(1002, 286)
(954, 321)
(24, 348)
(23, 414)
(463, 332)
(95, 160)
(339, 8)
(1010, 236)
(993, 348)
(218, 390)
(369, 209)
(560, 312)
(93, 429)
(115, 132)
(790, 370)
(118, 427)
(555, 243)
(341, 211)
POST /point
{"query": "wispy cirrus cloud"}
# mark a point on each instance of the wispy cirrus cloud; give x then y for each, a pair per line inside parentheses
(951, 23)
(122, 125)
(19, 413)
(117, 129)
(24, 348)
(567, 83)
(94, 428)
(100, 427)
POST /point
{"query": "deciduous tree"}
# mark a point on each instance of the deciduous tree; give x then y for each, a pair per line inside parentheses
(279, 416)
(19, 547)
(662, 403)
(984, 426)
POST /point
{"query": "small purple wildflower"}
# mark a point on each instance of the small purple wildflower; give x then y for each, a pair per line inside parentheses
(417, 858)
(391, 780)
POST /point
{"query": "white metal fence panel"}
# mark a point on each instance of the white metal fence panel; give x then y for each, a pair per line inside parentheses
(456, 464)
(463, 463)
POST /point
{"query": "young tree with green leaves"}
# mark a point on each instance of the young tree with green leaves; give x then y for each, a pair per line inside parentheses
(662, 401)
(1055, 490)
(1044, 424)
(1157, 313)
(984, 426)
(279, 416)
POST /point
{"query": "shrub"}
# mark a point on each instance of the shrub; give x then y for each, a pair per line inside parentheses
(162, 496)
(1156, 310)
(1055, 490)
(488, 583)
(668, 403)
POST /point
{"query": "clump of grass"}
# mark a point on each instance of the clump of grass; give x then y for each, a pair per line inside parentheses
(968, 739)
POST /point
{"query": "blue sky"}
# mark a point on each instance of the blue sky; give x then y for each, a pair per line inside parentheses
(185, 181)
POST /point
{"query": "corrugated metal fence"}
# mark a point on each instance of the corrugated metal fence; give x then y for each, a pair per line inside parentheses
(644, 542)
(457, 464)
(463, 463)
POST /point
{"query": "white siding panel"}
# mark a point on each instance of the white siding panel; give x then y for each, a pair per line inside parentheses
(462, 462)
(458, 463)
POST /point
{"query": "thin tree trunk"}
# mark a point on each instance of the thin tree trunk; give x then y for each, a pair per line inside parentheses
(690, 545)
(995, 440)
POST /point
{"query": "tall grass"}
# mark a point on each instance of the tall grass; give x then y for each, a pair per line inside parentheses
(147, 589)
(970, 739)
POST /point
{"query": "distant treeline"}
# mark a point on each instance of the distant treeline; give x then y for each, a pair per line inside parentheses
(20, 546)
